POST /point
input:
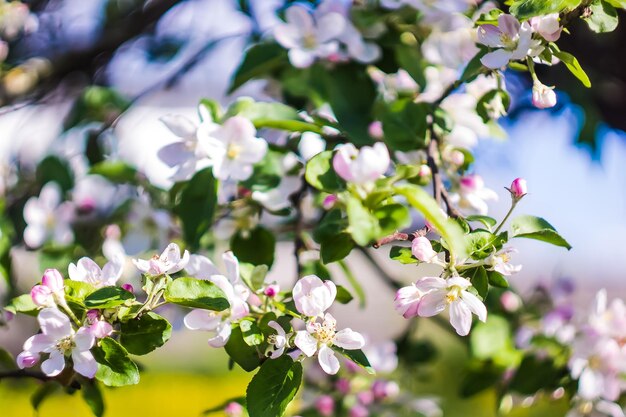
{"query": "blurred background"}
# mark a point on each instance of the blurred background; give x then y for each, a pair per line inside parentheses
(163, 56)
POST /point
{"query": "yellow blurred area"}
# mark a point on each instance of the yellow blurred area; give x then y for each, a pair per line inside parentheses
(158, 394)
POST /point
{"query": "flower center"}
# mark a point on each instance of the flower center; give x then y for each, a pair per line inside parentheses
(65, 345)
(453, 294)
(233, 151)
(507, 41)
(325, 333)
(309, 41)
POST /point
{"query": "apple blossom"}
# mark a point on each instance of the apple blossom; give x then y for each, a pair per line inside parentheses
(310, 145)
(51, 290)
(382, 355)
(385, 389)
(233, 409)
(598, 364)
(313, 296)
(513, 40)
(278, 342)
(58, 339)
(47, 218)
(358, 410)
(318, 338)
(169, 262)
(390, 86)
(86, 270)
(543, 96)
(97, 325)
(128, 287)
(547, 26)
(422, 249)
(329, 201)
(325, 405)
(500, 262)
(510, 301)
(441, 293)
(518, 188)
(361, 166)
(472, 195)
(232, 147)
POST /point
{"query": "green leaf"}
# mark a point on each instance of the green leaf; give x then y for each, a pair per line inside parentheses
(536, 373)
(478, 277)
(489, 339)
(7, 361)
(603, 17)
(144, 334)
(22, 304)
(404, 125)
(532, 227)
(474, 67)
(96, 104)
(240, 352)
(251, 332)
(115, 171)
(481, 243)
(196, 293)
(357, 356)
(363, 225)
(489, 222)
(51, 168)
(392, 217)
(484, 107)
(448, 228)
(320, 174)
(257, 277)
(336, 248)
(194, 204)
(108, 297)
(257, 246)
(343, 295)
(212, 107)
(573, 66)
(77, 290)
(403, 255)
(93, 397)
(259, 60)
(315, 268)
(497, 280)
(270, 115)
(273, 387)
(524, 9)
(332, 223)
(115, 368)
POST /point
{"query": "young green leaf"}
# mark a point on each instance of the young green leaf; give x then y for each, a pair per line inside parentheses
(273, 387)
(92, 395)
(532, 227)
(319, 173)
(145, 333)
(243, 354)
(108, 297)
(115, 368)
(196, 293)
(256, 246)
(403, 255)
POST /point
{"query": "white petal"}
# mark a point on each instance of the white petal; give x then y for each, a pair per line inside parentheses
(460, 317)
(232, 267)
(431, 283)
(179, 125)
(489, 35)
(590, 384)
(54, 324)
(54, 364)
(84, 363)
(299, 17)
(432, 303)
(349, 339)
(330, 26)
(328, 361)
(39, 343)
(142, 265)
(201, 267)
(35, 235)
(306, 342)
(221, 337)
(84, 339)
(475, 305)
(201, 320)
(180, 264)
(496, 59)
(509, 25)
(300, 58)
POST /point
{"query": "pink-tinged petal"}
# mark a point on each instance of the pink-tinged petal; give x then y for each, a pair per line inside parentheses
(53, 280)
(306, 342)
(475, 305)
(39, 343)
(431, 283)
(349, 339)
(221, 337)
(182, 263)
(201, 267)
(179, 125)
(41, 296)
(299, 17)
(54, 324)
(232, 267)
(279, 329)
(489, 35)
(112, 271)
(50, 196)
(328, 361)
(422, 249)
(330, 295)
(84, 338)
(312, 296)
(201, 320)
(54, 364)
(460, 317)
(496, 59)
(432, 303)
(35, 235)
(142, 265)
(34, 212)
(343, 160)
(238, 308)
(27, 359)
(84, 363)
(171, 254)
(407, 301)
(238, 129)
(508, 25)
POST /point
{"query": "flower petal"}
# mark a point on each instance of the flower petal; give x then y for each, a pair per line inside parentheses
(432, 303)
(84, 339)
(328, 361)
(54, 324)
(54, 364)
(201, 320)
(349, 339)
(460, 317)
(84, 363)
(475, 305)
(306, 342)
(496, 59)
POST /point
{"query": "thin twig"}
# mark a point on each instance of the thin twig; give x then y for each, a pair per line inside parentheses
(23, 373)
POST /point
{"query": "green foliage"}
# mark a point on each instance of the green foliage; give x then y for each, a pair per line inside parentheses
(357, 356)
(118, 172)
(77, 290)
(108, 297)
(196, 293)
(488, 222)
(251, 332)
(336, 247)
(242, 353)
(405, 125)
(96, 104)
(536, 373)
(52, 168)
(270, 115)
(525, 9)
(92, 395)
(260, 59)
(403, 255)
(492, 341)
(572, 65)
(145, 333)
(481, 243)
(256, 246)
(115, 368)
(532, 227)
(22, 304)
(273, 387)
(479, 279)
(363, 225)
(343, 295)
(603, 17)
(321, 175)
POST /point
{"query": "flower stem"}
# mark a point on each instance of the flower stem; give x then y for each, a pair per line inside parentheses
(513, 204)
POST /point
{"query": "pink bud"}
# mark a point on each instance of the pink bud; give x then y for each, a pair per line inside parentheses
(422, 249)
(113, 231)
(375, 130)
(329, 202)
(53, 279)
(8, 316)
(519, 187)
(101, 329)
(457, 157)
(543, 96)
(358, 411)
(254, 300)
(424, 171)
(233, 409)
(385, 389)
(41, 295)
(325, 405)
(93, 316)
(510, 301)
(471, 183)
(365, 397)
(271, 290)
(86, 206)
(343, 386)
(128, 288)
(27, 359)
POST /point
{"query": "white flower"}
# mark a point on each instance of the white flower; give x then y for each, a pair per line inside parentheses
(47, 218)
(390, 86)
(472, 195)
(313, 296)
(232, 147)
(453, 293)
(547, 26)
(599, 408)
(218, 322)
(59, 339)
(169, 262)
(277, 342)
(361, 166)
(468, 126)
(500, 262)
(307, 38)
(513, 40)
(310, 145)
(320, 337)
(88, 271)
(607, 320)
(408, 300)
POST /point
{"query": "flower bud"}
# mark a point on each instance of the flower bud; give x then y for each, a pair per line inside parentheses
(385, 389)
(92, 316)
(233, 409)
(343, 386)
(457, 157)
(53, 279)
(41, 296)
(271, 290)
(358, 411)
(329, 202)
(510, 301)
(375, 129)
(27, 359)
(128, 287)
(543, 96)
(365, 397)
(325, 405)
(101, 329)
(518, 188)
(361, 166)
(422, 249)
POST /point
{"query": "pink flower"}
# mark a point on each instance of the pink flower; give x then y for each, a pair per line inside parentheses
(329, 202)
(547, 26)
(52, 286)
(510, 301)
(313, 296)
(385, 389)
(422, 249)
(472, 195)
(128, 287)
(27, 359)
(169, 262)
(325, 405)
(407, 301)
(365, 397)
(361, 166)
(99, 327)
(543, 96)
(343, 386)
(519, 188)
(88, 271)
(358, 411)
